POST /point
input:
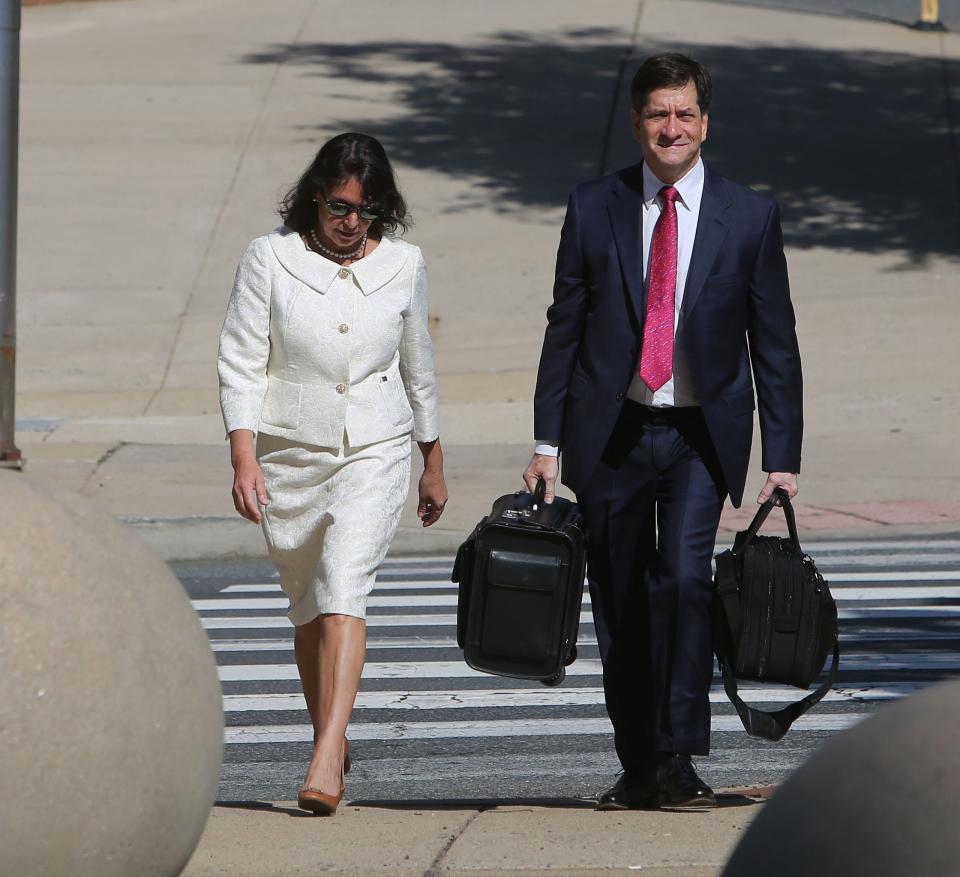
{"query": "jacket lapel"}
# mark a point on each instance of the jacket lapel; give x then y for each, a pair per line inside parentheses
(626, 210)
(302, 263)
(712, 227)
(370, 273)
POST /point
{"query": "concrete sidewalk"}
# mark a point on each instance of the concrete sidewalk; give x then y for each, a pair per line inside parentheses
(508, 839)
(157, 135)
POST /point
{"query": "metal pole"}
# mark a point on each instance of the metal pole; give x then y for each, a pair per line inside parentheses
(929, 16)
(9, 145)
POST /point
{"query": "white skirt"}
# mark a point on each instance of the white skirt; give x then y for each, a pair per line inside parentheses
(331, 518)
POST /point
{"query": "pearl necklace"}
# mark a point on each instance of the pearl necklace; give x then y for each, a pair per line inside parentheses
(333, 254)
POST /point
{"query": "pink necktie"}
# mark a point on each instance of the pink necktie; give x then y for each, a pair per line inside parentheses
(656, 357)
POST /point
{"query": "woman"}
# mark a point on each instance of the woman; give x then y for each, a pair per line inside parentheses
(326, 370)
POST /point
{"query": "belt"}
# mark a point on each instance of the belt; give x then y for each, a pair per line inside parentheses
(670, 414)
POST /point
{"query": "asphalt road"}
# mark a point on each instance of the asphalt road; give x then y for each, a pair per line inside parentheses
(900, 11)
(428, 728)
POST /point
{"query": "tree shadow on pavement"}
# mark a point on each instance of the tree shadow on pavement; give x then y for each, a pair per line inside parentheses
(856, 146)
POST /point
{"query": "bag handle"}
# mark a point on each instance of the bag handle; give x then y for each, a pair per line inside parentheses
(774, 725)
(779, 497)
(540, 511)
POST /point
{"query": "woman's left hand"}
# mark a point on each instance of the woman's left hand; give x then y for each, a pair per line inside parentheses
(433, 489)
(433, 497)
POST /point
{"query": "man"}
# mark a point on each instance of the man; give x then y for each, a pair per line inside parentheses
(671, 286)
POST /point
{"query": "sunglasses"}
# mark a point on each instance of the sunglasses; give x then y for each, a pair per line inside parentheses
(340, 209)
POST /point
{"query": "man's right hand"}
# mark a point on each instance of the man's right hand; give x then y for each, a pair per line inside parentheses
(546, 468)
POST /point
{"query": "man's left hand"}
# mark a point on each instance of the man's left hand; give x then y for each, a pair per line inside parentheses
(786, 480)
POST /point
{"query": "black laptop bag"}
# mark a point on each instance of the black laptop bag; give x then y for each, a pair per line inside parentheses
(521, 574)
(776, 620)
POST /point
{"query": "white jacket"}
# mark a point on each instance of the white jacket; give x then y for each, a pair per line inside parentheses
(316, 353)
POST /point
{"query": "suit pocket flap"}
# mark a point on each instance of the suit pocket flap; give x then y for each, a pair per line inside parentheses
(281, 404)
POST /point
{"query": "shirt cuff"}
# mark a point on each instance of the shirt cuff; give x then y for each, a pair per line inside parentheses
(548, 449)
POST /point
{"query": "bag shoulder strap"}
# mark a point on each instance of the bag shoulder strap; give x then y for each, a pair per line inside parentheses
(728, 589)
(774, 725)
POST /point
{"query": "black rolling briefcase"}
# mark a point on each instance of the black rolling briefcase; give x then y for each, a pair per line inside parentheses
(521, 577)
(776, 621)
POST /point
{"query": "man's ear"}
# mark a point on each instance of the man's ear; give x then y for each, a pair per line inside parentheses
(706, 120)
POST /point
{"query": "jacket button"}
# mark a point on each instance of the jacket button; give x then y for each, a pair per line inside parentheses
(344, 274)
(343, 328)
(341, 388)
(619, 397)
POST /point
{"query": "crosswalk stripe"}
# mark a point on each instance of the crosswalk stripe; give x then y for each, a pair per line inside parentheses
(444, 584)
(545, 697)
(899, 634)
(858, 613)
(245, 734)
(583, 667)
(394, 601)
(446, 642)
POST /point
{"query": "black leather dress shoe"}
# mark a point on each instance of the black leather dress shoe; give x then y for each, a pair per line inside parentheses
(680, 786)
(632, 792)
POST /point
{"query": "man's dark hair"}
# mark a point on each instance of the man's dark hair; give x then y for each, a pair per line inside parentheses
(670, 70)
(348, 155)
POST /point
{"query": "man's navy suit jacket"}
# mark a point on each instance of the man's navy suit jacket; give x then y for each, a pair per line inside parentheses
(736, 312)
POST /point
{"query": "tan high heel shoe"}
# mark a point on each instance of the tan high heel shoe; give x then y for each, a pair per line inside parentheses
(318, 801)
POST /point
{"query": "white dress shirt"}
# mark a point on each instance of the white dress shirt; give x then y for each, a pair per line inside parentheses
(678, 391)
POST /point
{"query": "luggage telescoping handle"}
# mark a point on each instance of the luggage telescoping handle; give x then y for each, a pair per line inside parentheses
(778, 497)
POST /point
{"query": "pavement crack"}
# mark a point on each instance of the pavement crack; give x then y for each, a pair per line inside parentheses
(435, 866)
(847, 514)
(106, 455)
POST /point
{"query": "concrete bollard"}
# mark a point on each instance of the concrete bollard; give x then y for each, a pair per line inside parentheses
(881, 799)
(111, 718)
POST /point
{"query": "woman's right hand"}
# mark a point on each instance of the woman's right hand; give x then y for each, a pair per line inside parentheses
(249, 491)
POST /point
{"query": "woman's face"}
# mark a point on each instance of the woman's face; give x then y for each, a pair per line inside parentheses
(342, 232)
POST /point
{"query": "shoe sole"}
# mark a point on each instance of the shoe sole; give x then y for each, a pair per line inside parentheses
(318, 808)
(687, 806)
(613, 806)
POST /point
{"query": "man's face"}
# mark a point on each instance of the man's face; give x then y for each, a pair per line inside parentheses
(670, 129)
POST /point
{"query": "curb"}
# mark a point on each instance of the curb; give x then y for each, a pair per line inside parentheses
(232, 538)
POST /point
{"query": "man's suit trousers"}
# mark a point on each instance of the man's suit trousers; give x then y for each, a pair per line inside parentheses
(652, 509)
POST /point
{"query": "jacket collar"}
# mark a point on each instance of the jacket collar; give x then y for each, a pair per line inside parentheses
(371, 273)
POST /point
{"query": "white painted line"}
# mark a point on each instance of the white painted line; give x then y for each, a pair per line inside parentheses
(500, 728)
(405, 585)
(393, 601)
(879, 544)
(263, 622)
(386, 670)
(889, 613)
(257, 622)
(440, 585)
(830, 561)
(914, 592)
(933, 575)
(545, 697)
(582, 667)
(263, 644)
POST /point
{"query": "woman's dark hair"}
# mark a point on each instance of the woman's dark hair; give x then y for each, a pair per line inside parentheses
(345, 156)
(670, 70)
